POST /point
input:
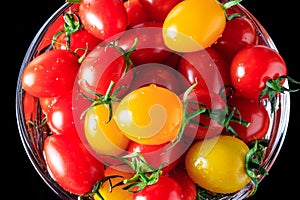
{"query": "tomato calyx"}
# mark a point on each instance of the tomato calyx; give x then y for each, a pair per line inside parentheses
(273, 86)
(253, 161)
(228, 4)
(187, 117)
(71, 25)
(222, 116)
(145, 174)
(125, 54)
(101, 99)
(232, 115)
(73, 1)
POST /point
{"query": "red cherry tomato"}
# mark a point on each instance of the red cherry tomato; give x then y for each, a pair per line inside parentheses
(201, 126)
(173, 60)
(252, 112)
(47, 103)
(154, 155)
(238, 33)
(150, 46)
(50, 74)
(103, 19)
(159, 74)
(102, 66)
(135, 12)
(251, 67)
(180, 175)
(71, 164)
(79, 42)
(158, 10)
(60, 115)
(165, 188)
(208, 67)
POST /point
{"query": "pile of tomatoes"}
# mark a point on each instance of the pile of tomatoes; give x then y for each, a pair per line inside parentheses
(153, 99)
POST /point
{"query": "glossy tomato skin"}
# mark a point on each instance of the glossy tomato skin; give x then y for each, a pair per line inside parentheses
(50, 74)
(252, 112)
(104, 137)
(150, 115)
(60, 115)
(239, 32)
(150, 46)
(251, 67)
(218, 164)
(103, 18)
(207, 67)
(100, 67)
(158, 74)
(135, 12)
(194, 25)
(180, 175)
(47, 103)
(71, 164)
(166, 188)
(157, 10)
(172, 60)
(79, 42)
(155, 155)
(222, 65)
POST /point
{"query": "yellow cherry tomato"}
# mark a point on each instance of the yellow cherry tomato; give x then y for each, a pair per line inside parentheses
(193, 25)
(218, 164)
(104, 137)
(150, 115)
(117, 192)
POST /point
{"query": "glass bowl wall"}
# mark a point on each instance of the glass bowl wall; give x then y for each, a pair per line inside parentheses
(32, 137)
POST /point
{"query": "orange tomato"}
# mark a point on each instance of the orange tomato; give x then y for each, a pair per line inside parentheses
(150, 115)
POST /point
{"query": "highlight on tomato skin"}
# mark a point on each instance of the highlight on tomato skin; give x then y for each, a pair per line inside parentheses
(150, 115)
(70, 164)
(50, 74)
(103, 19)
(189, 37)
(252, 67)
(217, 164)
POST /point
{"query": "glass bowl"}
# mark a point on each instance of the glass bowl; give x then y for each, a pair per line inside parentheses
(32, 138)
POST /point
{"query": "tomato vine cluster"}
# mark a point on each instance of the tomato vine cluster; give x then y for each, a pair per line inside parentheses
(160, 99)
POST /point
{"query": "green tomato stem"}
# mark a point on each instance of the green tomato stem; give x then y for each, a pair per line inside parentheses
(230, 3)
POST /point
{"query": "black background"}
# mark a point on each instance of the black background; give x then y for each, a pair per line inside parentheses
(19, 26)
